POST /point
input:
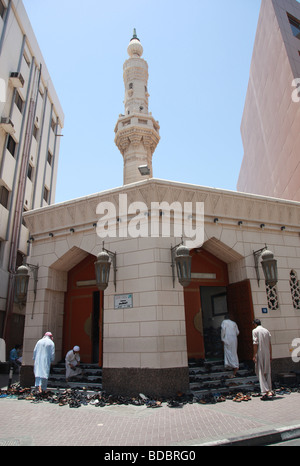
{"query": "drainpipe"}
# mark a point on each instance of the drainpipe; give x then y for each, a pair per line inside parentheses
(39, 150)
(45, 167)
(53, 161)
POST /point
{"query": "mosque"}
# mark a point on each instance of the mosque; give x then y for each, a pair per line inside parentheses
(179, 257)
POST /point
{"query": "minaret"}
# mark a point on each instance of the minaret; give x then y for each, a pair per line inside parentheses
(137, 133)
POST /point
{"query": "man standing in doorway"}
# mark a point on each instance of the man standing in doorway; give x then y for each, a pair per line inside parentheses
(229, 334)
(262, 356)
(43, 355)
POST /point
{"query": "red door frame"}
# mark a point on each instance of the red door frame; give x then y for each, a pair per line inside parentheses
(203, 262)
(78, 310)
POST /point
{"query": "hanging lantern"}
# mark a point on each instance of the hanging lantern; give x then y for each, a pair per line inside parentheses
(102, 268)
(21, 283)
(269, 266)
(183, 262)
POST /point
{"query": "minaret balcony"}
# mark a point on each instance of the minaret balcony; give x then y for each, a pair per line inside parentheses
(135, 134)
(136, 120)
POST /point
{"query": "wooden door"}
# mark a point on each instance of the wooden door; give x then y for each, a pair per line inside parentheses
(207, 270)
(240, 309)
(83, 313)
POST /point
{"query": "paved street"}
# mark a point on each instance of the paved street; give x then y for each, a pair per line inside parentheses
(25, 422)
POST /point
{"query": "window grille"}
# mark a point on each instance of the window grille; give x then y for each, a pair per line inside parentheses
(295, 289)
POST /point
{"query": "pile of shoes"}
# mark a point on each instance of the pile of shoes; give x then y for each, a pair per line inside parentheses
(74, 398)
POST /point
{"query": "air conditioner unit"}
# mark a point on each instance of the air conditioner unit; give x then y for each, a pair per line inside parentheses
(16, 79)
(7, 125)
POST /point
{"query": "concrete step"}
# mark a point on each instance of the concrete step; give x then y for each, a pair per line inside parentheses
(211, 377)
(91, 379)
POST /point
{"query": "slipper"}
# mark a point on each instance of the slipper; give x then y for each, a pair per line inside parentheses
(175, 404)
(265, 397)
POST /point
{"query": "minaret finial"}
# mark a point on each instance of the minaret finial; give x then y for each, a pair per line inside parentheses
(134, 35)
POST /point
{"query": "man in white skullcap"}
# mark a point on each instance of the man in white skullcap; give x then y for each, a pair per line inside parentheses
(72, 363)
(43, 355)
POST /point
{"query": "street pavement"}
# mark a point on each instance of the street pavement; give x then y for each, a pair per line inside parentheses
(253, 422)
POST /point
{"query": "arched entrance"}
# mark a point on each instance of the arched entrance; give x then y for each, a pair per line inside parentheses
(83, 313)
(207, 299)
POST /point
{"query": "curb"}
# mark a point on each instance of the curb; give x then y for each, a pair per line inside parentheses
(269, 437)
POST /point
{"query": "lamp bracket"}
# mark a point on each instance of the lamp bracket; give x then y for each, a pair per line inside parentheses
(113, 256)
(173, 249)
(256, 255)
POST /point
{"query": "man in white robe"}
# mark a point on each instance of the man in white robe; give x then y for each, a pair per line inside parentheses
(262, 356)
(72, 361)
(229, 334)
(43, 355)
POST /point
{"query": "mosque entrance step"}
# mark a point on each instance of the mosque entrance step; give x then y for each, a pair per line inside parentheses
(91, 378)
(206, 376)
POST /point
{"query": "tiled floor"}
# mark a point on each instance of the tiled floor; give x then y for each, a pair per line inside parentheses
(26, 423)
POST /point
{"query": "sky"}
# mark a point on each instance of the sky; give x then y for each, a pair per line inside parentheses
(199, 55)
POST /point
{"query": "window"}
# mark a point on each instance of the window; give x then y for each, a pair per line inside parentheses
(130, 85)
(30, 171)
(295, 25)
(2, 9)
(4, 193)
(19, 102)
(49, 158)
(35, 132)
(19, 260)
(46, 194)
(11, 145)
(273, 303)
(295, 289)
(53, 124)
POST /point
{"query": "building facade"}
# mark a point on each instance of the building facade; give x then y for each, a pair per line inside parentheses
(271, 118)
(31, 119)
(144, 327)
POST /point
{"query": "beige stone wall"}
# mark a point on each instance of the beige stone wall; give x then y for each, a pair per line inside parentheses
(152, 334)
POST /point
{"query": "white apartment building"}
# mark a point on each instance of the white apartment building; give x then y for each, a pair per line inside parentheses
(31, 119)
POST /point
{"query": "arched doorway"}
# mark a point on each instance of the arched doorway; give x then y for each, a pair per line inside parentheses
(207, 299)
(83, 312)
(207, 288)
